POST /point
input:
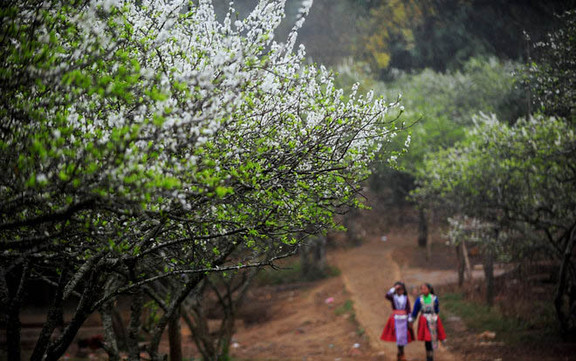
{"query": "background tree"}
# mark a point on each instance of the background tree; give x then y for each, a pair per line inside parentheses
(439, 109)
(511, 178)
(389, 32)
(443, 35)
(219, 299)
(550, 76)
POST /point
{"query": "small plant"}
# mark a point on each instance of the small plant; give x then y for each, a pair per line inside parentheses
(347, 307)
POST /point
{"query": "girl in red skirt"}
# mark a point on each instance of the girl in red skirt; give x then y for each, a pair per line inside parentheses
(397, 328)
(430, 329)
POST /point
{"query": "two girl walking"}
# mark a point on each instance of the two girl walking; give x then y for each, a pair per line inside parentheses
(399, 326)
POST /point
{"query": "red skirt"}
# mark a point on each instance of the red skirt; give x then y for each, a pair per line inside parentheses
(389, 333)
(424, 332)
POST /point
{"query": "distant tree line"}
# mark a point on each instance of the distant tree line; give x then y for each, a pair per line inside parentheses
(444, 34)
(413, 35)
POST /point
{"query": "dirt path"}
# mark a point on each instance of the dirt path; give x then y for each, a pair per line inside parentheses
(368, 272)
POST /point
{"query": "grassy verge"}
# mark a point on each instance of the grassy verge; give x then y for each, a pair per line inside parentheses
(537, 327)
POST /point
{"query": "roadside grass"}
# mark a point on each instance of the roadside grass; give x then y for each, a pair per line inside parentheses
(348, 308)
(538, 326)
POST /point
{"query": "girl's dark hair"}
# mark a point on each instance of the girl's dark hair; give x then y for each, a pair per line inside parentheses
(430, 288)
(402, 285)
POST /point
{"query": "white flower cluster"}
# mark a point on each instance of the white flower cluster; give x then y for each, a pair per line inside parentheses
(163, 96)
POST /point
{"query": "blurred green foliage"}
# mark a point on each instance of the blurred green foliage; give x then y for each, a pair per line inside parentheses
(439, 107)
(442, 105)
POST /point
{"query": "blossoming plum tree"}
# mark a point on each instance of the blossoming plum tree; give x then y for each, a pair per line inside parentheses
(515, 179)
(146, 141)
(519, 179)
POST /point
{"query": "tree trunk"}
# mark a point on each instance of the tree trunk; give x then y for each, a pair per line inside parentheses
(54, 319)
(313, 258)
(13, 325)
(461, 263)
(226, 332)
(422, 228)
(175, 337)
(13, 328)
(304, 259)
(4, 298)
(109, 334)
(83, 311)
(134, 325)
(428, 250)
(199, 329)
(352, 231)
(489, 273)
(177, 298)
(559, 296)
(216, 346)
(562, 286)
(119, 329)
(468, 266)
(320, 254)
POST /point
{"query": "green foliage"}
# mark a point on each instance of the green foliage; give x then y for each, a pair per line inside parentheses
(551, 74)
(514, 176)
(447, 102)
(513, 179)
(439, 109)
(506, 168)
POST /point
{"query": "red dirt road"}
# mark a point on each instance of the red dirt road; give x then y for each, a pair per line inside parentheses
(368, 273)
(302, 326)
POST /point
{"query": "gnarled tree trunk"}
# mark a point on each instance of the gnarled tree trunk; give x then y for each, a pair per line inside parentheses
(489, 253)
(175, 337)
(565, 286)
(12, 313)
(422, 228)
